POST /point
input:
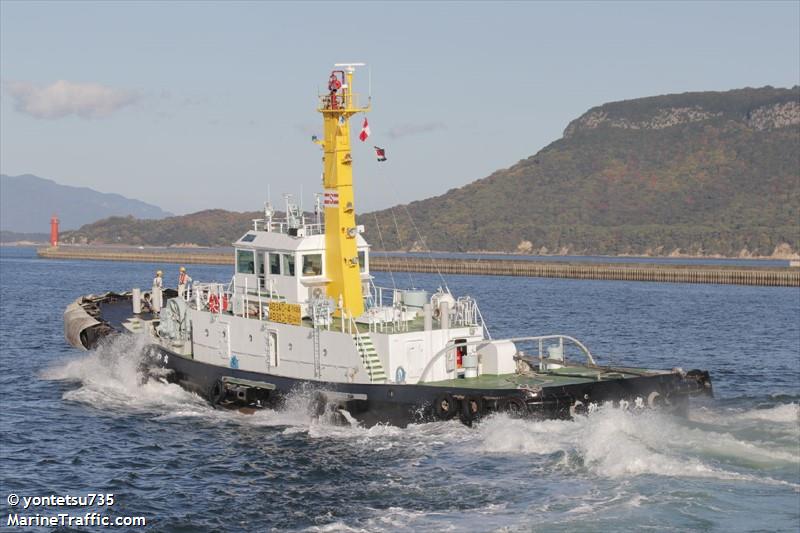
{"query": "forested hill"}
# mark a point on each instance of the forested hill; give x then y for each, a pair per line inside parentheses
(696, 173)
(714, 173)
(213, 227)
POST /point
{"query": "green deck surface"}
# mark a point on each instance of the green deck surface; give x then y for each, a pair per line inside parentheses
(554, 378)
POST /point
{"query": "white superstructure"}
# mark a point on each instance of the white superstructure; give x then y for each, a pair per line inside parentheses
(275, 317)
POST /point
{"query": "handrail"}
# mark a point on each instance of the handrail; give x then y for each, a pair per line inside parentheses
(351, 324)
(283, 226)
(539, 338)
(483, 322)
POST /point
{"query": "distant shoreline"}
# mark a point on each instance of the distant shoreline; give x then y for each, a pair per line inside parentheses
(765, 275)
(511, 255)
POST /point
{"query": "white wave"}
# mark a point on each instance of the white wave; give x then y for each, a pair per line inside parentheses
(786, 416)
(335, 527)
(502, 434)
(610, 442)
(618, 443)
(672, 437)
(111, 377)
(395, 518)
(788, 413)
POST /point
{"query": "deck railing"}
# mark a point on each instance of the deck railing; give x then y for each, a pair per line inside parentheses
(282, 226)
(540, 339)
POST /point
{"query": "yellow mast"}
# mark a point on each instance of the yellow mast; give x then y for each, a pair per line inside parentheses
(341, 253)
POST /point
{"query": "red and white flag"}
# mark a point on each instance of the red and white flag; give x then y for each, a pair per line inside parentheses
(364, 131)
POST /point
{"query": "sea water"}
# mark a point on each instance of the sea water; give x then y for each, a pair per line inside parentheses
(76, 422)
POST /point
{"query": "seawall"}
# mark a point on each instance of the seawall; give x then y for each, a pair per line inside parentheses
(720, 274)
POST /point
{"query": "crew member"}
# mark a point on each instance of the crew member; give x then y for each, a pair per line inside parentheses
(183, 280)
(155, 294)
(334, 85)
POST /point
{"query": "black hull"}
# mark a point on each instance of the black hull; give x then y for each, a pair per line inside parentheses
(400, 405)
(385, 403)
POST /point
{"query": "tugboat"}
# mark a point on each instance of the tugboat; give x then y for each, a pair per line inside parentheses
(302, 312)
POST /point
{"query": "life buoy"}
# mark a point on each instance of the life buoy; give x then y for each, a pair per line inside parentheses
(334, 84)
(224, 302)
(213, 303)
(445, 407)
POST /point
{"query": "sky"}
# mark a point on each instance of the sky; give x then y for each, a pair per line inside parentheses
(200, 105)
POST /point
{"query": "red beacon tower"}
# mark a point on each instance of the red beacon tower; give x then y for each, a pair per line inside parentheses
(54, 231)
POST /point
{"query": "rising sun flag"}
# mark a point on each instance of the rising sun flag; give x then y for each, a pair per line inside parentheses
(381, 153)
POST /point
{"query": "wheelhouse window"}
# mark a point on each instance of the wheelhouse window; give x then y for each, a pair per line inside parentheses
(245, 262)
(288, 265)
(312, 265)
(275, 264)
(362, 260)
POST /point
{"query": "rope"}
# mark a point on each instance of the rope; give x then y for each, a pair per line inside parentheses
(380, 237)
(416, 229)
(425, 244)
(402, 247)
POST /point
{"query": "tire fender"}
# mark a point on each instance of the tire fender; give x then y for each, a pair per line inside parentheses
(577, 408)
(445, 407)
(472, 408)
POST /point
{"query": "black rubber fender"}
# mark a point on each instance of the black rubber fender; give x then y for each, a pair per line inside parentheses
(216, 393)
(318, 404)
(514, 407)
(93, 335)
(472, 408)
(577, 408)
(445, 407)
(703, 379)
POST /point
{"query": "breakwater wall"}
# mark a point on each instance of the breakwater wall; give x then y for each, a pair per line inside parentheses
(776, 277)
(142, 256)
(721, 274)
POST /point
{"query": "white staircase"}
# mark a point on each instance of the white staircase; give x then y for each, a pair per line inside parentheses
(369, 356)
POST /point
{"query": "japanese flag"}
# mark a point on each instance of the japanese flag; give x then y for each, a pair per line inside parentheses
(364, 131)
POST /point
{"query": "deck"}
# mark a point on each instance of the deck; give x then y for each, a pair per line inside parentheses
(554, 378)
